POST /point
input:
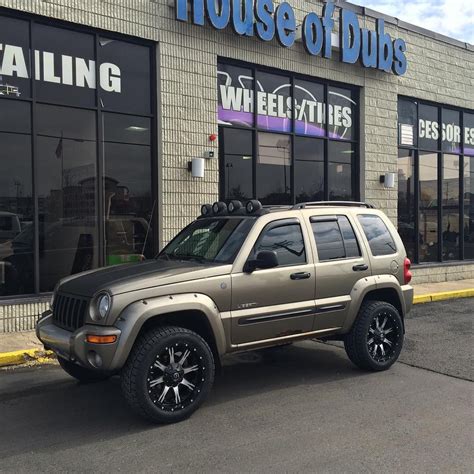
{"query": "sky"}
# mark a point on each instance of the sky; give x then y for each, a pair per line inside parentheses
(454, 18)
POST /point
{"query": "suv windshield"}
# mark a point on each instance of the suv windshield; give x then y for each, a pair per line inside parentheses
(214, 240)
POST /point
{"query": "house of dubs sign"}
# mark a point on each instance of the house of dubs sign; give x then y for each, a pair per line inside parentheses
(260, 18)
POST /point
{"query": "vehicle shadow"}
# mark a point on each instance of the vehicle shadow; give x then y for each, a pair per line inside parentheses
(62, 413)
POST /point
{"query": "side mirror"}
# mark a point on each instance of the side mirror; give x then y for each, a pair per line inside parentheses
(264, 259)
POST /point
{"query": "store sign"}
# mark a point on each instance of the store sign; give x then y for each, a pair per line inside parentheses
(275, 106)
(59, 69)
(260, 18)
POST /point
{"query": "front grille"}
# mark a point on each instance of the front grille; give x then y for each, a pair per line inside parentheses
(69, 312)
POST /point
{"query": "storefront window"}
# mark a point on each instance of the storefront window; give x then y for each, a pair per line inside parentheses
(430, 183)
(274, 106)
(66, 173)
(278, 159)
(341, 172)
(80, 156)
(428, 216)
(309, 169)
(468, 218)
(273, 169)
(128, 201)
(16, 200)
(15, 61)
(406, 200)
(237, 170)
(341, 114)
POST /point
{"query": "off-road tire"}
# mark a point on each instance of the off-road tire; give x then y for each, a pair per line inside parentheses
(81, 373)
(356, 342)
(135, 375)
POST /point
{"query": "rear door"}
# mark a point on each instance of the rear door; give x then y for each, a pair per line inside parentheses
(341, 261)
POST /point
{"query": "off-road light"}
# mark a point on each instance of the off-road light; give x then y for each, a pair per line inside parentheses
(206, 209)
(234, 206)
(253, 206)
(103, 305)
(219, 207)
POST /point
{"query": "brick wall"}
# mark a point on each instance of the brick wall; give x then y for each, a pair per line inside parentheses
(437, 71)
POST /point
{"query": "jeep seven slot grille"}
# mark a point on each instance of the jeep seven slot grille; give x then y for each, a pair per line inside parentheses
(69, 312)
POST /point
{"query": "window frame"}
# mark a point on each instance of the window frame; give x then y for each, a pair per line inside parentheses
(356, 142)
(417, 150)
(99, 112)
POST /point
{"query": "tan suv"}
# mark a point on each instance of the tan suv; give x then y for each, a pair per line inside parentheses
(238, 278)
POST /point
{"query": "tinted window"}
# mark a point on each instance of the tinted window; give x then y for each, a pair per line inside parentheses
(328, 240)
(309, 102)
(428, 127)
(309, 169)
(350, 241)
(341, 158)
(286, 241)
(342, 108)
(378, 236)
(407, 130)
(335, 239)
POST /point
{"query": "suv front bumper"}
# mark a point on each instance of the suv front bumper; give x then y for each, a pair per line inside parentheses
(73, 346)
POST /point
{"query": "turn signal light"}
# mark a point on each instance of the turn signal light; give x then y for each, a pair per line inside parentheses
(406, 271)
(94, 339)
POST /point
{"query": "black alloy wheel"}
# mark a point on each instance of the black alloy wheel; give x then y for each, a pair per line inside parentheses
(168, 374)
(376, 338)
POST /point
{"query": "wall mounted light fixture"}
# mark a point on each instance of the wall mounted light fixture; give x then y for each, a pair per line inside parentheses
(196, 167)
(388, 180)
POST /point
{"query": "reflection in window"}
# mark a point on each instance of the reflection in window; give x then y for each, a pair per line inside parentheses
(428, 215)
(66, 173)
(237, 164)
(309, 169)
(406, 201)
(286, 241)
(128, 202)
(329, 241)
(274, 169)
(451, 131)
(450, 203)
(16, 204)
(340, 169)
(468, 207)
(429, 132)
(468, 134)
(380, 240)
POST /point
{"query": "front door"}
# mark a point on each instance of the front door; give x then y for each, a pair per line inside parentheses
(276, 302)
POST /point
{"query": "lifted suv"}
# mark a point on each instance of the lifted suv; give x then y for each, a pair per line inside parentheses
(237, 278)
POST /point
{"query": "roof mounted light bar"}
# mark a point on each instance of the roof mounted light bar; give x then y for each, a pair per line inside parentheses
(304, 205)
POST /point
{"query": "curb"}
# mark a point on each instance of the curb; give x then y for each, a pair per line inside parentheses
(444, 295)
(24, 356)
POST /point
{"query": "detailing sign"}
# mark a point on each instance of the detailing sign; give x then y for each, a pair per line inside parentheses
(260, 18)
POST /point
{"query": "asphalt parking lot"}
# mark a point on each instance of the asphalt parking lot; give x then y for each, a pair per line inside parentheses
(302, 408)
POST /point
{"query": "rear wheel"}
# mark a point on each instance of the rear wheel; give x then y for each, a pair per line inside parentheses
(168, 375)
(81, 373)
(376, 338)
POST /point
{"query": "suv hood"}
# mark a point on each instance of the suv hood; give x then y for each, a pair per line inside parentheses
(131, 277)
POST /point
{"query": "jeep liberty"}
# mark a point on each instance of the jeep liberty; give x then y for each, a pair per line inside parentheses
(238, 278)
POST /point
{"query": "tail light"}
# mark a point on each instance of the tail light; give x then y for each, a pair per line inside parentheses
(406, 271)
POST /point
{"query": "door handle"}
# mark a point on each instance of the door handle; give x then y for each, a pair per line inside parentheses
(360, 268)
(300, 276)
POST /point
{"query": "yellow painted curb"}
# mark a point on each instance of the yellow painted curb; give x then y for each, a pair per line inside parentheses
(444, 295)
(21, 357)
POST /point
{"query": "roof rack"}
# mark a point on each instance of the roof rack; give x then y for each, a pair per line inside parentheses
(303, 205)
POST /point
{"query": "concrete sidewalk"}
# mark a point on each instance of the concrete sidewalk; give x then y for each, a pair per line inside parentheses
(16, 348)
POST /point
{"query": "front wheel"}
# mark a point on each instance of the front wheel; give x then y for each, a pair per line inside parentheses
(168, 374)
(376, 338)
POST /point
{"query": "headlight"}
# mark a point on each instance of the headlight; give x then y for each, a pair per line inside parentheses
(103, 305)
